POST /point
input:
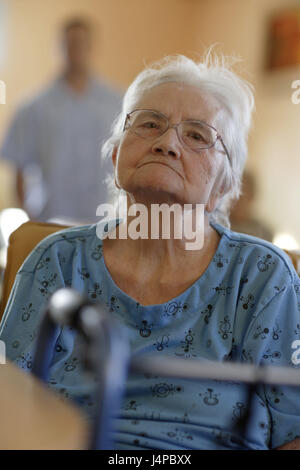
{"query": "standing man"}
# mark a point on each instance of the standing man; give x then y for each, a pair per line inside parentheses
(54, 139)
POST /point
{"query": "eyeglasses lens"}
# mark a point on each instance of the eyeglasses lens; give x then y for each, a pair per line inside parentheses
(149, 125)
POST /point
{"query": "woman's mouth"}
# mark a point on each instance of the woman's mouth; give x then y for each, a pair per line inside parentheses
(160, 163)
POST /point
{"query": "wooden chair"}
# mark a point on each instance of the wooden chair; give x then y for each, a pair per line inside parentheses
(21, 242)
(295, 257)
(34, 417)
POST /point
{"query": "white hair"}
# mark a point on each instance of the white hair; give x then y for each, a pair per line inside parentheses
(214, 75)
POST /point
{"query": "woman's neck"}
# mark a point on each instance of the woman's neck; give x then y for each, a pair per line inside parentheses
(160, 258)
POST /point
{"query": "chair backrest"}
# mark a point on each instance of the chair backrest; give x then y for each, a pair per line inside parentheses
(21, 242)
(295, 257)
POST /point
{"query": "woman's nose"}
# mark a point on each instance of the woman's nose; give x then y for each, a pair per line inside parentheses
(167, 144)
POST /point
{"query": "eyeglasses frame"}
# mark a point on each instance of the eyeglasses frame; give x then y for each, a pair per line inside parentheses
(218, 136)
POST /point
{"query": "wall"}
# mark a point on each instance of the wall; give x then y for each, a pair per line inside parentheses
(132, 32)
(274, 146)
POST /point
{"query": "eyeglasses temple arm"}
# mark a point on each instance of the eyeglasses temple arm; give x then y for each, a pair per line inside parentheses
(225, 149)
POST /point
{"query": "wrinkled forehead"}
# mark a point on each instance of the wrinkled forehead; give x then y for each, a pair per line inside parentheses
(180, 101)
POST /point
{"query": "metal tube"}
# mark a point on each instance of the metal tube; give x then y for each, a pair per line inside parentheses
(210, 370)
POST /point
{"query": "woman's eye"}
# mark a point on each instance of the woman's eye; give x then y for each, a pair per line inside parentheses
(196, 136)
(151, 125)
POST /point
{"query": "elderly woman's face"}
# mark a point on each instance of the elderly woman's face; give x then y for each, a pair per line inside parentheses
(164, 168)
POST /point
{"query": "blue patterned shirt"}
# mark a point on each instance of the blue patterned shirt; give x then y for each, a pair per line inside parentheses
(245, 307)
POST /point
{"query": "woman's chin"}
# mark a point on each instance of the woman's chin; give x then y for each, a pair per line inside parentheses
(155, 192)
(153, 183)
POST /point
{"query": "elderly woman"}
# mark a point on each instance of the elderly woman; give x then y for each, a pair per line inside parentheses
(181, 138)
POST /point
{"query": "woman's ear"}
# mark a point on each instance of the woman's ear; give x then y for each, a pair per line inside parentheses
(114, 160)
(219, 190)
(114, 156)
(212, 203)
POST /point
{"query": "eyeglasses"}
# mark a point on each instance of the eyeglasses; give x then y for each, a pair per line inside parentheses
(197, 135)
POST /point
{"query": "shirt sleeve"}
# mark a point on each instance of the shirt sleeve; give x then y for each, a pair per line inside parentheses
(19, 144)
(273, 339)
(39, 277)
(26, 305)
